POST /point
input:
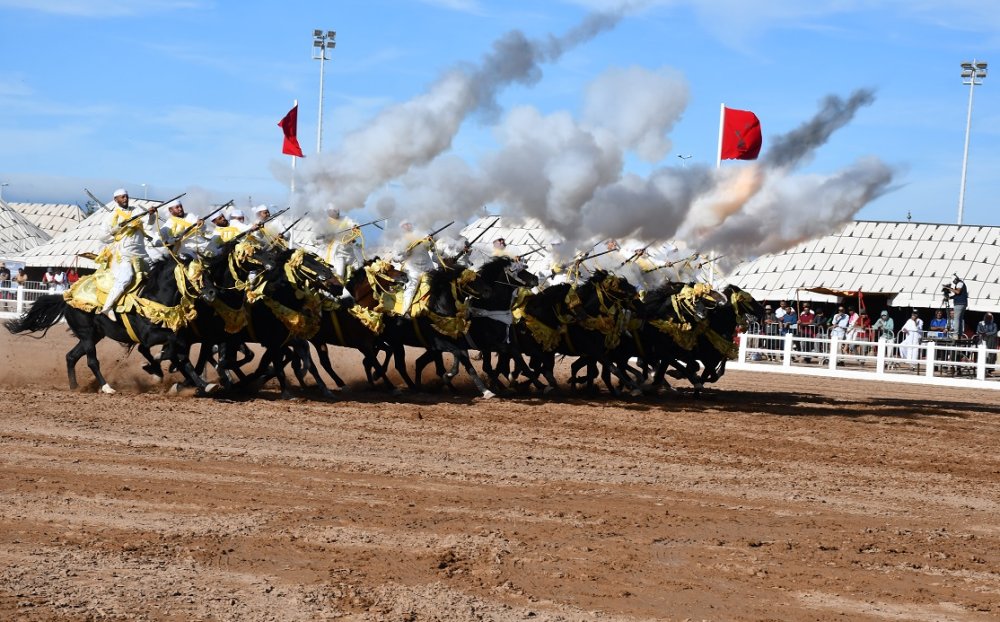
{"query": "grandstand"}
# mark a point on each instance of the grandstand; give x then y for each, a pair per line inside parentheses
(899, 264)
(52, 218)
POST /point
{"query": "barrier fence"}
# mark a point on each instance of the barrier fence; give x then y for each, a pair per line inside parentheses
(922, 358)
(16, 299)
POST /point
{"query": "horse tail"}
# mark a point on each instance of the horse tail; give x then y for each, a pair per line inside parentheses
(43, 315)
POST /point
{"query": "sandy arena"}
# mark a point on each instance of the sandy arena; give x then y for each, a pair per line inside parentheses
(770, 499)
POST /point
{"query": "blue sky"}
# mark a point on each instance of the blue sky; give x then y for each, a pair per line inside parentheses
(183, 94)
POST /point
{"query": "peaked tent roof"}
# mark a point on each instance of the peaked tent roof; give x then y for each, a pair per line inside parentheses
(52, 218)
(17, 233)
(908, 261)
(88, 236)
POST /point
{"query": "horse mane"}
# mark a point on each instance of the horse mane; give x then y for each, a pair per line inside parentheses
(494, 268)
(441, 278)
(157, 277)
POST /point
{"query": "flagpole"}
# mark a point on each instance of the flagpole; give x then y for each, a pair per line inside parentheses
(295, 104)
(718, 166)
(722, 120)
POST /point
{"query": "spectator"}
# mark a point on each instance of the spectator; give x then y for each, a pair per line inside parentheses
(820, 321)
(4, 281)
(49, 279)
(22, 278)
(885, 328)
(789, 321)
(779, 313)
(840, 323)
(911, 331)
(60, 280)
(939, 325)
(986, 332)
(72, 276)
(772, 328)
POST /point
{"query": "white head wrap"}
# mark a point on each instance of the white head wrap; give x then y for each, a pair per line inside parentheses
(261, 208)
(235, 213)
(121, 192)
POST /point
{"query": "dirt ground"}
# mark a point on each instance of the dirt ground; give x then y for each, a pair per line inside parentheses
(772, 498)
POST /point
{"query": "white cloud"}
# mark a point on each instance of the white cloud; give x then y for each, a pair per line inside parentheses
(102, 8)
(465, 6)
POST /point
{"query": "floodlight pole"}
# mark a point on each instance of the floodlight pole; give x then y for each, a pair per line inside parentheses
(970, 73)
(2, 186)
(321, 43)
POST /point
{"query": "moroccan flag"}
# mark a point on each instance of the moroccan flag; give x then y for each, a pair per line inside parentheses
(289, 125)
(740, 135)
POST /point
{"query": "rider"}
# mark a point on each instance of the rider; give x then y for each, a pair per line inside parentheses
(177, 224)
(413, 251)
(129, 258)
(344, 244)
(265, 233)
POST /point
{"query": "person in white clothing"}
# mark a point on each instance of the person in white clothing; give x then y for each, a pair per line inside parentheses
(912, 330)
(343, 244)
(179, 223)
(413, 252)
(128, 239)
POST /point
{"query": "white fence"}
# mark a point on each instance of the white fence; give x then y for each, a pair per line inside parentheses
(15, 300)
(927, 361)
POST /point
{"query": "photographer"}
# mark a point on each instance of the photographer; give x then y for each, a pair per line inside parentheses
(960, 299)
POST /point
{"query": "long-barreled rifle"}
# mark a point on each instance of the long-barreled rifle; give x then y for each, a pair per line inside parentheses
(371, 222)
(148, 211)
(99, 202)
(439, 229)
(201, 221)
(635, 255)
(289, 227)
(258, 225)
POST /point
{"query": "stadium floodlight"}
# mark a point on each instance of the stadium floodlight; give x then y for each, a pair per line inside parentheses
(972, 75)
(321, 43)
(2, 186)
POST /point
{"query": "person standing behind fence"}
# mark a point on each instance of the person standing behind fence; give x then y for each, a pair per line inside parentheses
(960, 300)
(939, 325)
(986, 332)
(839, 325)
(911, 331)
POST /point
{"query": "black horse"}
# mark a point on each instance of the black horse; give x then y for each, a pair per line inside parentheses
(441, 330)
(341, 325)
(89, 328)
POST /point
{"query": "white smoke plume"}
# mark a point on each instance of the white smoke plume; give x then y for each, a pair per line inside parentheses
(415, 132)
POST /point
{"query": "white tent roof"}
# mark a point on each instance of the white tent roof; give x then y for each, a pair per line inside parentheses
(52, 218)
(87, 237)
(908, 261)
(17, 233)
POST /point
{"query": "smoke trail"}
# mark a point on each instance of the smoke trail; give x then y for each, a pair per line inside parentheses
(413, 133)
(791, 149)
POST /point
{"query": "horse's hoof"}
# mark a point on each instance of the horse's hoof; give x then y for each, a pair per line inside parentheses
(175, 388)
(107, 390)
(285, 395)
(343, 389)
(488, 395)
(211, 386)
(636, 393)
(153, 370)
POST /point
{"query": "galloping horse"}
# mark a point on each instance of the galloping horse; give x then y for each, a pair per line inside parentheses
(130, 328)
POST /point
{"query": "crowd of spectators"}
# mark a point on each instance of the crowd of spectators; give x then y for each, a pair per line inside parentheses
(849, 325)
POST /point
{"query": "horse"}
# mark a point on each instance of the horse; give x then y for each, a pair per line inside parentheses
(492, 318)
(342, 326)
(441, 329)
(129, 328)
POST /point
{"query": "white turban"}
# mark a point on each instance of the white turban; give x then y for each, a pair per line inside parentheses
(121, 192)
(235, 213)
(261, 208)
